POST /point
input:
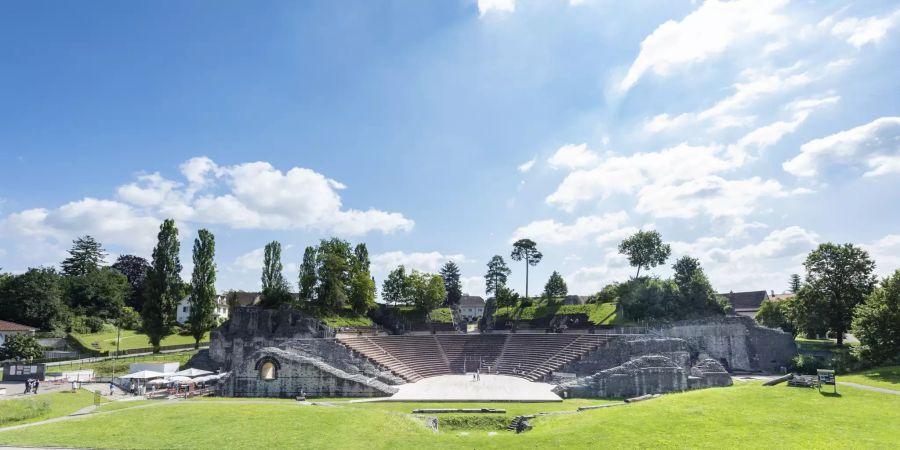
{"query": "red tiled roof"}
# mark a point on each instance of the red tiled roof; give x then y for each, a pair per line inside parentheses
(11, 326)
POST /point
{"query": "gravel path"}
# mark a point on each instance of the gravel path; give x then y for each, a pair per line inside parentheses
(869, 388)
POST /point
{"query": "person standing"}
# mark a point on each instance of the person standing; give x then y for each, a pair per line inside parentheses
(111, 388)
(36, 385)
(28, 386)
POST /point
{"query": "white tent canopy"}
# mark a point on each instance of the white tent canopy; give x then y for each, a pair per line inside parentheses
(192, 373)
(158, 381)
(179, 378)
(144, 375)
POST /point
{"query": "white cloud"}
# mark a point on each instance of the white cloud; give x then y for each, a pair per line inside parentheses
(710, 195)
(886, 253)
(755, 84)
(590, 279)
(486, 6)
(572, 156)
(859, 32)
(710, 30)
(527, 165)
(111, 222)
(552, 232)
(251, 261)
(876, 144)
(383, 263)
(473, 285)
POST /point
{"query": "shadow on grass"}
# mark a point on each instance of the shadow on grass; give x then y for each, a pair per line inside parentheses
(830, 394)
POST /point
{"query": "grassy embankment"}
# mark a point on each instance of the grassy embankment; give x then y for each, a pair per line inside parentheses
(44, 406)
(130, 339)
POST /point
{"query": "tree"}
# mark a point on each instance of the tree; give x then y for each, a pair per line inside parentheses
(795, 283)
(645, 250)
(496, 275)
(841, 277)
(555, 287)
(275, 289)
(876, 322)
(649, 299)
(85, 256)
(21, 347)
(334, 269)
(35, 298)
(163, 287)
(807, 313)
(394, 290)
(609, 294)
(98, 293)
(308, 278)
(362, 285)
(506, 297)
(203, 286)
(776, 314)
(696, 297)
(684, 270)
(450, 274)
(526, 249)
(426, 290)
(135, 270)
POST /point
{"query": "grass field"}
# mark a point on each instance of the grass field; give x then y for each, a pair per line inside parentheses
(598, 314)
(130, 339)
(883, 377)
(41, 407)
(110, 367)
(744, 416)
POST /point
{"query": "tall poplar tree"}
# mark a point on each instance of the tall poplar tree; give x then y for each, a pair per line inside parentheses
(163, 285)
(308, 278)
(362, 285)
(275, 290)
(203, 286)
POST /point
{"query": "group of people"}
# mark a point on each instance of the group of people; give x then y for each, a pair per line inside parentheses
(476, 376)
(31, 386)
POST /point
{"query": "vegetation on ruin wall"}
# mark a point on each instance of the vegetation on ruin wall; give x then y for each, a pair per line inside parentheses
(598, 314)
(413, 315)
(42, 407)
(346, 319)
(710, 418)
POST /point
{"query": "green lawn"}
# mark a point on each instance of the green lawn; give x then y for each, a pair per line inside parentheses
(130, 339)
(744, 416)
(44, 406)
(883, 377)
(598, 314)
(111, 367)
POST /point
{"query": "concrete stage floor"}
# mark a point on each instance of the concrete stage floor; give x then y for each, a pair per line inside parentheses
(461, 388)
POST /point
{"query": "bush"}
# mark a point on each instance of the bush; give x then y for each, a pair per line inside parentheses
(776, 314)
(94, 324)
(131, 319)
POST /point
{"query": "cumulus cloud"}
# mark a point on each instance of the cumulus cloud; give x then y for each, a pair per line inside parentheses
(486, 6)
(590, 279)
(710, 195)
(473, 285)
(421, 261)
(709, 31)
(754, 85)
(875, 145)
(870, 30)
(527, 165)
(886, 253)
(572, 156)
(553, 232)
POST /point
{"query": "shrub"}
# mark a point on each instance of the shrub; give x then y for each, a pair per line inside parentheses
(130, 319)
(94, 324)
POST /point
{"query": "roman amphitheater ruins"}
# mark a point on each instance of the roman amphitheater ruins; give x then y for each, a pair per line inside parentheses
(285, 353)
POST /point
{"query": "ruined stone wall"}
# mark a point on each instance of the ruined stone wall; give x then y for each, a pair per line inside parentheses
(340, 357)
(652, 374)
(738, 342)
(298, 375)
(625, 348)
(252, 328)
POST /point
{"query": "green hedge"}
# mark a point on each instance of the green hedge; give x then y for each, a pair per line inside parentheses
(598, 314)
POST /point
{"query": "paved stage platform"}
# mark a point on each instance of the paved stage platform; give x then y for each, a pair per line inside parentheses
(461, 388)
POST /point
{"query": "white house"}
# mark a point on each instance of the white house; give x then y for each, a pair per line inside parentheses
(471, 307)
(184, 309)
(8, 329)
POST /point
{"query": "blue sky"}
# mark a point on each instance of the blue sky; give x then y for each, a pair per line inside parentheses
(745, 132)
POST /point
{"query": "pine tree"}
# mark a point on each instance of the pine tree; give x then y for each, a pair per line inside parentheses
(163, 285)
(450, 274)
(555, 287)
(526, 249)
(275, 290)
(85, 256)
(203, 286)
(795, 283)
(496, 276)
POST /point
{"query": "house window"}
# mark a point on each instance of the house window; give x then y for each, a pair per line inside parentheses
(183, 309)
